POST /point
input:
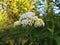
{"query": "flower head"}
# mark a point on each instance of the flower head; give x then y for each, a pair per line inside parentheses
(24, 22)
(39, 23)
(30, 19)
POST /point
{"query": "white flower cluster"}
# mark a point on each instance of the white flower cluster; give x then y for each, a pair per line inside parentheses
(30, 19)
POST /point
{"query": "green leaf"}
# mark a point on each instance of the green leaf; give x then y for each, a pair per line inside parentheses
(57, 38)
(51, 30)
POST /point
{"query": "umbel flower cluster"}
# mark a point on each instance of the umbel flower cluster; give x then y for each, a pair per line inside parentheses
(30, 19)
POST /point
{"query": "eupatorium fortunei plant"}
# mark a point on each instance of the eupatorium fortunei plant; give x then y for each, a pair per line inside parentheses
(30, 19)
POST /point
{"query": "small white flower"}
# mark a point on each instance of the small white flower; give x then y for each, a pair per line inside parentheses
(23, 17)
(39, 23)
(30, 22)
(24, 22)
(35, 18)
(16, 23)
(30, 13)
(42, 22)
(30, 19)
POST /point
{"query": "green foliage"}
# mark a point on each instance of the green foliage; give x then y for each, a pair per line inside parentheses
(18, 8)
(48, 35)
(29, 35)
(57, 40)
(5, 22)
(36, 36)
